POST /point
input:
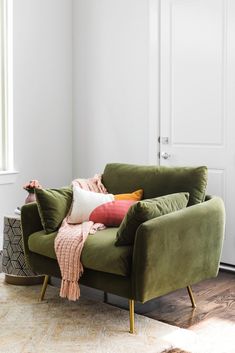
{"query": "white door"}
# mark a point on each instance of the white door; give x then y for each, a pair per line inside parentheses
(197, 95)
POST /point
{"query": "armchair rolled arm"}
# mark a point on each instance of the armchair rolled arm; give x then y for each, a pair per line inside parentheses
(178, 249)
(30, 223)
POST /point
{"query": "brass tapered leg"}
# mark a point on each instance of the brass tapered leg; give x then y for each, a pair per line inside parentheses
(44, 287)
(190, 293)
(132, 313)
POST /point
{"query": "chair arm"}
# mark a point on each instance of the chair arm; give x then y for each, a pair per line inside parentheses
(178, 249)
(30, 223)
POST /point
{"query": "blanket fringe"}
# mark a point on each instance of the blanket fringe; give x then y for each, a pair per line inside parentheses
(70, 290)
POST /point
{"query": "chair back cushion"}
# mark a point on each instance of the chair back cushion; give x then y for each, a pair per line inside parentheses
(156, 180)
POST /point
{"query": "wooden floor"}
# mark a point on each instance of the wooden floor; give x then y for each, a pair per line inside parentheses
(215, 299)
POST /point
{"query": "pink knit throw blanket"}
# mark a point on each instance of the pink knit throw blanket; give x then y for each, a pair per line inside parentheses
(69, 243)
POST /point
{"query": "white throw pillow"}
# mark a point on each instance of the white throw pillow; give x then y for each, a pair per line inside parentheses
(84, 202)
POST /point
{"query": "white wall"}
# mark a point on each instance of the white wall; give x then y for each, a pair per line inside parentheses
(107, 42)
(42, 82)
(110, 83)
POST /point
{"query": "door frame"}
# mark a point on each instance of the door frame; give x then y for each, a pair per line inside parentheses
(153, 80)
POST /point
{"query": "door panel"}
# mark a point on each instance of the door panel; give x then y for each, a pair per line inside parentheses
(197, 109)
(196, 61)
(216, 182)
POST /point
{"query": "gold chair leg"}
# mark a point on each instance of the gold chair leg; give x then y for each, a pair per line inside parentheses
(44, 287)
(190, 293)
(132, 313)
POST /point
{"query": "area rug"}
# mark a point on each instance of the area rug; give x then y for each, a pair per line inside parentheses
(175, 350)
(57, 325)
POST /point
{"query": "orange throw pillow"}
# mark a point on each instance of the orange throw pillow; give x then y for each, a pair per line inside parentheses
(134, 196)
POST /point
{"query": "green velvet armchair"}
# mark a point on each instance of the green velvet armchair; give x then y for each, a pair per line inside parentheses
(170, 252)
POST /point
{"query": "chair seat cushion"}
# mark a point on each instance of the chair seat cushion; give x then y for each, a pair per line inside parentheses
(99, 252)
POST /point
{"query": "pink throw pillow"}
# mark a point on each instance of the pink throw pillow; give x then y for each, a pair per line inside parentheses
(111, 213)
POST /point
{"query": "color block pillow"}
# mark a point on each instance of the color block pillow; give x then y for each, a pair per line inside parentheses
(53, 206)
(112, 213)
(84, 202)
(145, 210)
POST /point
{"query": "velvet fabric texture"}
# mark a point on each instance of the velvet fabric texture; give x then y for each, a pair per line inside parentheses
(99, 252)
(178, 249)
(170, 252)
(145, 210)
(135, 196)
(53, 206)
(156, 180)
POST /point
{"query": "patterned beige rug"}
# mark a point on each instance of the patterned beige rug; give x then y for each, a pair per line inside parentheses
(56, 325)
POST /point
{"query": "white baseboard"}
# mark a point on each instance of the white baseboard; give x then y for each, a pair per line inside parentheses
(227, 267)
